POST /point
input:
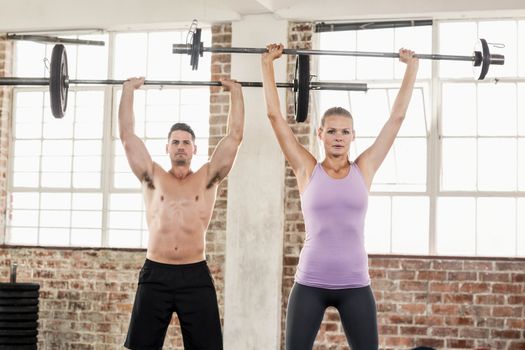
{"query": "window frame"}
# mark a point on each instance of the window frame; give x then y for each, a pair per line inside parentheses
(434, 137)
(108, 152)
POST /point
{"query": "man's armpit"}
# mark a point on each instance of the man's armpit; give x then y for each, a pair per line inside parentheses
(148, 180)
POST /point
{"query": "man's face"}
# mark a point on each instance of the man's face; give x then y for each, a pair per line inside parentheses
(181, 148)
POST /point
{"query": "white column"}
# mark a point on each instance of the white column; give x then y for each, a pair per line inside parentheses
(254, 232)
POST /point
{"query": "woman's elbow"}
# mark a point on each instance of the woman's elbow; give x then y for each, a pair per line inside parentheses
(398, 117)
(272, 115)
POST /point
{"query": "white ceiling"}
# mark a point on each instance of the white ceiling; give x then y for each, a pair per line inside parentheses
(50, 15)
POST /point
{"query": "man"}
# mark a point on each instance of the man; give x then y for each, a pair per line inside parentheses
(179, 204)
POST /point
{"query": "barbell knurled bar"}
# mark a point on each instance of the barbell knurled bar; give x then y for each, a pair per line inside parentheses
(59, 82)
(314, 85)
(196, 49)
(186, 49)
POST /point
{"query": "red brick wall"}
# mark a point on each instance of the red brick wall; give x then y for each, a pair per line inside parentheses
(5, 105)
(450, 303)
(300, 37)
(219, 107)
(86, 295)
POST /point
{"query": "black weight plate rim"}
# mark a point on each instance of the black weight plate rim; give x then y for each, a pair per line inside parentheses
(485, 64)
(18, 325)
(19, 317)
(18, 333)
(303, 91)
(58, 72)
(195, 48)
(18, 309)
(19, 286)
(19, 347)
(15, 294)
(12, 341)
(18, 301)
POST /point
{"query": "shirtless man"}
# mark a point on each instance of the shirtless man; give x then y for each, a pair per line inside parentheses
(179, 204)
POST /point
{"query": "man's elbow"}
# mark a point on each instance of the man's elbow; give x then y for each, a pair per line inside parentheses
(126, 140)
(125, 135)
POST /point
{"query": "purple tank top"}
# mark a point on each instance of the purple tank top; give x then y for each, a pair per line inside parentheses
(333, 254)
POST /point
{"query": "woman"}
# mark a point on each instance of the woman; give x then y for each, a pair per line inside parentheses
(333, 265)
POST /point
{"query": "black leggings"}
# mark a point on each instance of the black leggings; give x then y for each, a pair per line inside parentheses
(306, 307)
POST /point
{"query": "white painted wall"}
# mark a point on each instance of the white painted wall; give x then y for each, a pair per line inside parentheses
(254, 232)
(39, 15)
(380, 9)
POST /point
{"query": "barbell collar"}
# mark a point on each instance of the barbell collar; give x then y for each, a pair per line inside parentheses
(497, 59)
(338, 86)
(10, 81)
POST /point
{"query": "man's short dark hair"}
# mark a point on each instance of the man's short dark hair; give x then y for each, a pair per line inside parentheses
(183, 127)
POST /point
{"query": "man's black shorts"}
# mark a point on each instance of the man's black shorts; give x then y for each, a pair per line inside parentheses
(187, 290)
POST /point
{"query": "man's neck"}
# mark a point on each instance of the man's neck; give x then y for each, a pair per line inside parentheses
(180, 172)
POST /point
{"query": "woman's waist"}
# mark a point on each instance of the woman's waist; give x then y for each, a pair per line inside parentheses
(333, 258)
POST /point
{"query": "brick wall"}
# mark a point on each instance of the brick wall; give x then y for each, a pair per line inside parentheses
(454, 303)
(5, 104)
(219, 107)
(87, 294)
(300, 37)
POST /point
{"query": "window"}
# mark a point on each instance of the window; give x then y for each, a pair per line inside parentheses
(70, 183)
(453, 183)
(481, 187)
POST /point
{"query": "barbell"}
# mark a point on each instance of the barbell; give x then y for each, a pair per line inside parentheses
(195, 48)
(59, 82)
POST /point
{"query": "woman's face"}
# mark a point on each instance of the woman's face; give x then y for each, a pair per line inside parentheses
(336, 135)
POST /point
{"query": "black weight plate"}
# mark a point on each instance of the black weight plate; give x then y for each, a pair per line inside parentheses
(19, 317)
(18, 325)
(196, 49)
(17, 333)
(17, 294)
(485, 64)
(18, 309)
(19, 347)
(19, 286)
(302, 95)
(58, 85)
(22, 340)
(18, 301)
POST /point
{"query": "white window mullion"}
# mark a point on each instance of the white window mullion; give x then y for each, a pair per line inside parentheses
(142, 224)
(477, 143)
(476, 226)
(391, 216)
(107, 162)
(517, 226)
(108, 153)
(71, 189)
(40, 173)
(434, 160)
